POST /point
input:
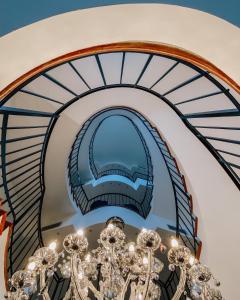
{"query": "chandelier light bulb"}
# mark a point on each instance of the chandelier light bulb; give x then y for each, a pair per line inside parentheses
(174, 243)
(31, 266)
(110, 226)
(52, 246)
(80, 232)
(191, 260)
(139, 296)
(127, 268)
(145, 260)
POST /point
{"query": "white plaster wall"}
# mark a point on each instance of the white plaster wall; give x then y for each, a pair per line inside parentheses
(3, 241)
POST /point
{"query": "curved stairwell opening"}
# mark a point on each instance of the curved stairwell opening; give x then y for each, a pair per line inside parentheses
(30, 112)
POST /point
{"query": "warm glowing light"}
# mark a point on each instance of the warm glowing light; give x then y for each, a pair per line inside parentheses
(145, 260)
(88, 258)
(52, 246)
(174, 243)
(31, 266)
(191, 260)
(139, 296)
(131, 248)
(80, 232)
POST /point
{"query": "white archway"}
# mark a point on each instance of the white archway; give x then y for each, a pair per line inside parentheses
(195, 31)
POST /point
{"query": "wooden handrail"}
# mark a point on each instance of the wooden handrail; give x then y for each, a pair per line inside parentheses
(131, 46)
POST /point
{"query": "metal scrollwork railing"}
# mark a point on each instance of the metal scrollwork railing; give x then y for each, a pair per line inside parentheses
(141, 206)
(25, 133)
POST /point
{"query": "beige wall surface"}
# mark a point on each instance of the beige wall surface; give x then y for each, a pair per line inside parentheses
(3, 241)
(208, 36)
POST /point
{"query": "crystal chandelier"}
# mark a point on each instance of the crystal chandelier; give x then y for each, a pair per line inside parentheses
(115, 270)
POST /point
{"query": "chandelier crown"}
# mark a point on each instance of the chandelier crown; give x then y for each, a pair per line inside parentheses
(115, 270)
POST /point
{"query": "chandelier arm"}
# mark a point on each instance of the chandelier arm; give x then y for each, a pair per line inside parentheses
(45, 296)
(181, 284)
(76, 286)
(123, 292)
(43, 285)
(111, 264)
(68, 293)
(146, 285)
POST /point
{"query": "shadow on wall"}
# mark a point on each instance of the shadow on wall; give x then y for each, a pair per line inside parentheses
(113, 164)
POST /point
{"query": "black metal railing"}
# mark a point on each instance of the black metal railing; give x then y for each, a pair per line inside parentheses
(26, 236)
(117, 169)
(58, 286)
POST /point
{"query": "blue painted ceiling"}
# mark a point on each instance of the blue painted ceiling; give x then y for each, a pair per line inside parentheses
(117, 141)
(15, 14)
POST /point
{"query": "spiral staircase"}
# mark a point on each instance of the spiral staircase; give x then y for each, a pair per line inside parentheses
(207, 106)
